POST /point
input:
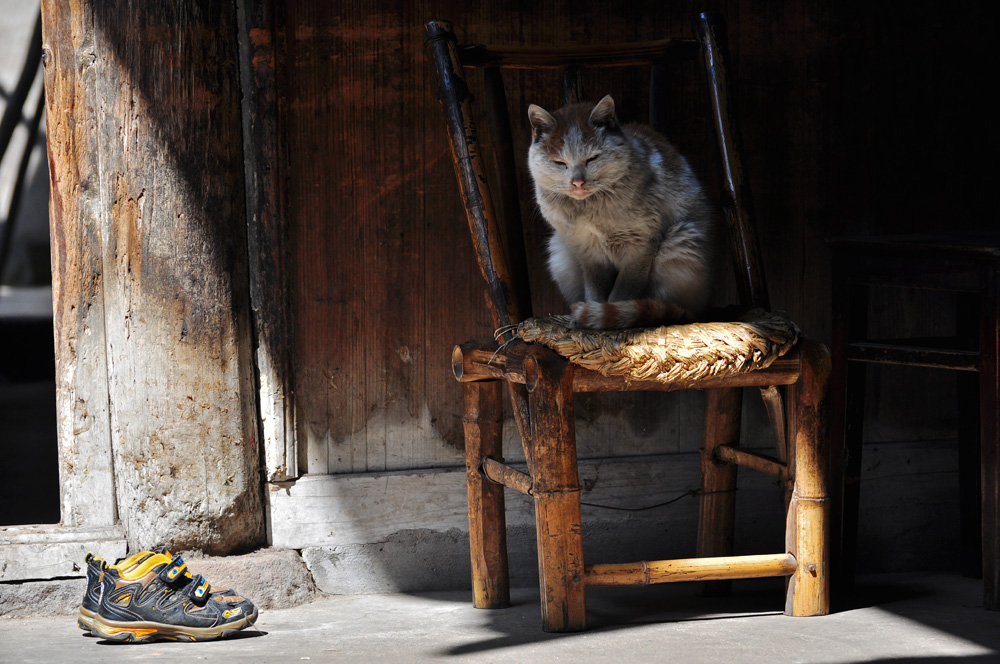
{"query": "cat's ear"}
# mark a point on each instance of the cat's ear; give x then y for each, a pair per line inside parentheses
(541, 121)
(603, 114)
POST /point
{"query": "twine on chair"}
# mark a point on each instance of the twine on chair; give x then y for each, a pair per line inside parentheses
(750, 340)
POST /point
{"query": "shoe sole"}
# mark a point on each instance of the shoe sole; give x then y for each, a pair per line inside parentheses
(85, 620)
(142, 632)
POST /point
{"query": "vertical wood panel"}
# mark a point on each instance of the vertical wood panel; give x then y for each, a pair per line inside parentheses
(173, 227)
(83, 416)
(260, 24)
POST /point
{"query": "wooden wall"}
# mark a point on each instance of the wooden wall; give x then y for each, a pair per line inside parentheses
(856, 119)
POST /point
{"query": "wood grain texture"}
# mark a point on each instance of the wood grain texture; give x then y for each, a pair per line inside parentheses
(83, 411)
(267, 243)
(173, 250)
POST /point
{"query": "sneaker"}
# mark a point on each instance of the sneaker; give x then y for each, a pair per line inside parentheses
(157, 598)
(96, 576)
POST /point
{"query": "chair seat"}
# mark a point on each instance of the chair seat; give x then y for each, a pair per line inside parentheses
(731, 344)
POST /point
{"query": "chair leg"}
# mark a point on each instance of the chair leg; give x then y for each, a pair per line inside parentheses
(850, 471)
(487, 521)
(847, 416)
(717, 505)
(968, 307)
(807, 533)
(969, 475)
(556, 489)
(989, 413)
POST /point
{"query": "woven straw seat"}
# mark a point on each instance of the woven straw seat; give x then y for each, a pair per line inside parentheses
(670, 353)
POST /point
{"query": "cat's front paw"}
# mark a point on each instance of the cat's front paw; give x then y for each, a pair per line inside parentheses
(579, 316)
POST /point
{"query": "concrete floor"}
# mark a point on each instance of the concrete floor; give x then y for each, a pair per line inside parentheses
(896, 618)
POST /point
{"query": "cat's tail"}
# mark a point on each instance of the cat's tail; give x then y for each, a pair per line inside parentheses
(627, 313)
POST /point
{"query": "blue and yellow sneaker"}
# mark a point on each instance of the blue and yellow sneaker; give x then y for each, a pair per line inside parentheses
(96, 576)
(158, 598)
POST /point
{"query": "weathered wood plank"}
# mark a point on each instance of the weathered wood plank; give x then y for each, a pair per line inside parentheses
(78, 281)
(173, 235)
(260, 27)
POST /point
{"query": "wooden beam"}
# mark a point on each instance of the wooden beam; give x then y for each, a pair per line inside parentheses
(690, 569)
(266, 215)
(83, 412)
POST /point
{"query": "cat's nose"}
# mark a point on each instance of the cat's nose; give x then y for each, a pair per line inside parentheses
(578, 182)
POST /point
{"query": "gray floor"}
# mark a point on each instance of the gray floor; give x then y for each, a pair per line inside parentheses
(896, 618)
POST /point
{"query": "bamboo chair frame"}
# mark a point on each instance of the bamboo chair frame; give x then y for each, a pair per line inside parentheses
(541, 383)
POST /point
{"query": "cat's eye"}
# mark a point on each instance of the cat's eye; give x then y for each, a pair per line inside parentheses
(590, 159)
(559, 163)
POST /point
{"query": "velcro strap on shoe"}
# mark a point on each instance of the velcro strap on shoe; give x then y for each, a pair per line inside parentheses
(199, 590)
(173, 571)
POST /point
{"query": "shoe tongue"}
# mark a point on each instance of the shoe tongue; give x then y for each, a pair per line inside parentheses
(151, 562)
(136, 558)
(132, 561)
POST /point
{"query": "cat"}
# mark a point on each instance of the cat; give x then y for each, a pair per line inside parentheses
(632, 229)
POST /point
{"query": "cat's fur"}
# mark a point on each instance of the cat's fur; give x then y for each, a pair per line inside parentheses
(632, 241)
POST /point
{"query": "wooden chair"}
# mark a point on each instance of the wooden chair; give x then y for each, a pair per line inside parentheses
(541, 383)
(967, 265)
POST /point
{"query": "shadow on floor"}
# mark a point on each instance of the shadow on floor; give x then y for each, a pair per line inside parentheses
(944, 604)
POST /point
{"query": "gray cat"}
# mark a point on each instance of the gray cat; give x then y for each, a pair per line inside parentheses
(633, 230)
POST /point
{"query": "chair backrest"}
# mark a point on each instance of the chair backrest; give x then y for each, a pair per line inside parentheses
(499, 243)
